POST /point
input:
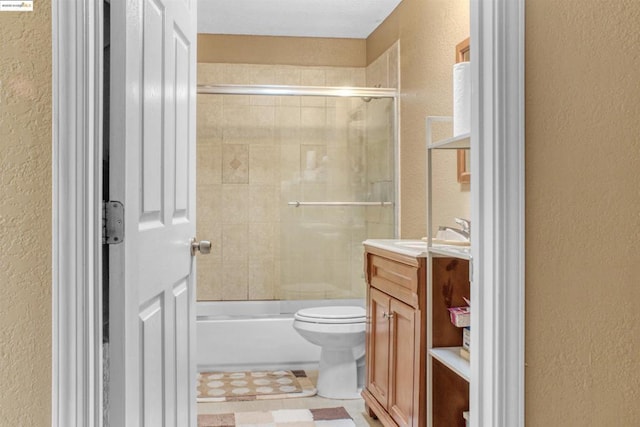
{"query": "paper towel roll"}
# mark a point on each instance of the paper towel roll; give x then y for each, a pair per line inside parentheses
(461, 98)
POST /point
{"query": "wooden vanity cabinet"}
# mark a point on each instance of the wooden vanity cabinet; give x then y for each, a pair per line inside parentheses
(396, 338)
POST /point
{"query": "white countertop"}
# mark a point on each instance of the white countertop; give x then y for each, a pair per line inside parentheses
(412, 248)
(419, 248)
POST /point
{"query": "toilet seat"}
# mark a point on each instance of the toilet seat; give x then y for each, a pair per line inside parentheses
(332, 315)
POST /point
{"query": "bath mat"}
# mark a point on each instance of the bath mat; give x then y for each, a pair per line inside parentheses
(323, 417)
(253, 385)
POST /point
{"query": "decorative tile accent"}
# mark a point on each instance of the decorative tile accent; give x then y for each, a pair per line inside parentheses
(235, 164)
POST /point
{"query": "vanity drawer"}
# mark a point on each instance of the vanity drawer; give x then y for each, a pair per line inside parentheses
(394, 278)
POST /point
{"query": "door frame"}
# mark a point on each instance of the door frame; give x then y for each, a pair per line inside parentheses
(77, 213)
(497, 161)
(498, 213)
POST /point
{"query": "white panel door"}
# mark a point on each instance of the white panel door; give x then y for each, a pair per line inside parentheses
(152, 171)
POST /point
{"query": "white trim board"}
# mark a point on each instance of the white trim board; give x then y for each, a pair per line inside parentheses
(497, 161)
(497, 209)
(76, 220)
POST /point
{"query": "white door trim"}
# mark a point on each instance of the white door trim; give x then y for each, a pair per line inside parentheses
(497, 161)
(77, 216)
(497, 209)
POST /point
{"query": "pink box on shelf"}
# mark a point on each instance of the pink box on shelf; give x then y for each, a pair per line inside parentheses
(460, 316)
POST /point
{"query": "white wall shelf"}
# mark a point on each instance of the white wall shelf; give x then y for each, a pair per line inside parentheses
(460, 142)
(442, 339)
(450, 357)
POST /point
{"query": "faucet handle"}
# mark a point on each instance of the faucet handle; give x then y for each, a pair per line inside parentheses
(464, 223)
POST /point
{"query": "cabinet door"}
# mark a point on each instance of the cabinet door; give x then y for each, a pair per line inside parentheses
(378, 349)
(403, 370)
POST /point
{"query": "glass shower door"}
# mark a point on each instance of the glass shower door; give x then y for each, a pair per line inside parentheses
(337, 189)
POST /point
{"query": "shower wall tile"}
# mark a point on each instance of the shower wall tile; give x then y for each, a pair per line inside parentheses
(377, 71)
(290, 101)
(263, 119)
(340, 76)
(239, 74)
(287, 76)
(313, 101)
(235, 243)
(228, 100)
(312, 125)
(263, 203)
(287, 124)
(312, 76)
(261, 74)
(290, 163)
(235, 204)
(234, 124)
(312, 117)
(262, 278)
(264, 239)
(210, 203)
(263, 100)
(264, 164)
(235, 281)
(209, 73)
(209, 162)
(209, 117)
(340, 275)
(209, 286)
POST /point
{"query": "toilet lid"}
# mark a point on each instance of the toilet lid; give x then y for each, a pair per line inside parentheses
(333, 314)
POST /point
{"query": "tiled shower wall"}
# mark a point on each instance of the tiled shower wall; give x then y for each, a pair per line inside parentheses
(256, 154)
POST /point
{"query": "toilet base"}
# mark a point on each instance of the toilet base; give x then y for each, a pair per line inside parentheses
(338, 374)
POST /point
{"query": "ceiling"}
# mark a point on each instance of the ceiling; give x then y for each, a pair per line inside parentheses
(296, 18)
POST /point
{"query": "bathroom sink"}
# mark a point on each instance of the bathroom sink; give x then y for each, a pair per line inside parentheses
(413, 244)
(448, 236)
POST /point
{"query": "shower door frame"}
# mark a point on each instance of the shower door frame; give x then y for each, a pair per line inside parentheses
(328, 91)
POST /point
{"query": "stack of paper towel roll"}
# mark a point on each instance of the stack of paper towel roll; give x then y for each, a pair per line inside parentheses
(461, 98)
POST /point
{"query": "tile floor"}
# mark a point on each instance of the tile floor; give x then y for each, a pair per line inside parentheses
(355, 407)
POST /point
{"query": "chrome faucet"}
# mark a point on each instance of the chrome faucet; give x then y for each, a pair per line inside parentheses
(466, 226)
(464, 231)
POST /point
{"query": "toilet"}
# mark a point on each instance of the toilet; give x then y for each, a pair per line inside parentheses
(340, 332)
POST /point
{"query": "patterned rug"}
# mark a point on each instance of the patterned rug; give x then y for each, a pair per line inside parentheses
(323, 417)
(230, 386)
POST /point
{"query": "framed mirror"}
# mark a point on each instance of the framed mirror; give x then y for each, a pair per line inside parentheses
(464, 176)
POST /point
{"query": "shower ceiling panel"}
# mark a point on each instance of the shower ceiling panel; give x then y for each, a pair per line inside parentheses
(295, 18)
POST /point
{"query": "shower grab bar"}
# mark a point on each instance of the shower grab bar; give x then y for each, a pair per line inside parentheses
(297, 204)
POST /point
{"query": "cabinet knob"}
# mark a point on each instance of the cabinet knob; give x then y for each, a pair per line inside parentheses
(387, 315)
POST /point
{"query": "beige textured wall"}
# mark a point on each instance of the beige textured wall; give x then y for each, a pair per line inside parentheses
(582, 213)
(25, 217)
(312, 51)
(428, 31)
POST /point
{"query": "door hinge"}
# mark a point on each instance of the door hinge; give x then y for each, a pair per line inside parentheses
(112, 222)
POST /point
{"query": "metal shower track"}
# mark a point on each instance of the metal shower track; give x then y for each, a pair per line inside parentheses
(281, 90)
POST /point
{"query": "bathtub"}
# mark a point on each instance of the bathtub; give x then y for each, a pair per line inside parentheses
(250, 335)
